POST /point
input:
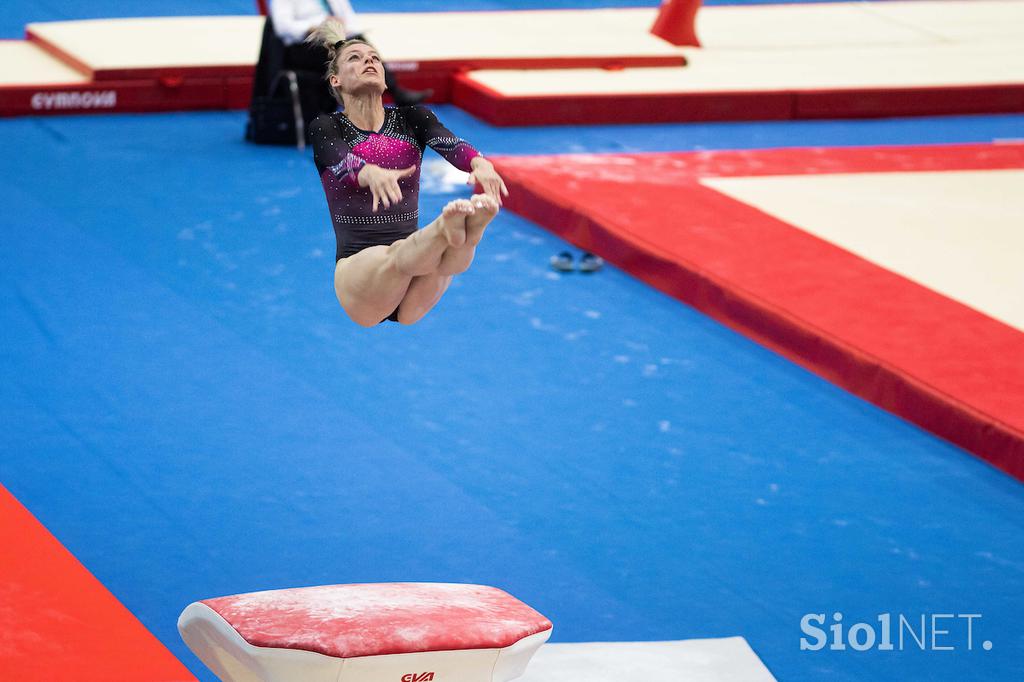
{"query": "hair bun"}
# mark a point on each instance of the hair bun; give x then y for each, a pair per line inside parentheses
(330, 34)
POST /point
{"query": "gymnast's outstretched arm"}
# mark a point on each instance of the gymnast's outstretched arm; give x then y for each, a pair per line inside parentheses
(456, 151)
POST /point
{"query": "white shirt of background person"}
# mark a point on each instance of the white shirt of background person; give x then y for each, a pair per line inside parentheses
(293, 19)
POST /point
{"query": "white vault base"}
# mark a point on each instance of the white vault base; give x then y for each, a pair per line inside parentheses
(727, 659)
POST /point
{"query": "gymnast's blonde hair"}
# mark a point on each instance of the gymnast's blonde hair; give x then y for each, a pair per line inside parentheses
(331, 34)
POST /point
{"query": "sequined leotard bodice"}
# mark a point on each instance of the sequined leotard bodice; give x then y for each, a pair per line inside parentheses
(340, 151)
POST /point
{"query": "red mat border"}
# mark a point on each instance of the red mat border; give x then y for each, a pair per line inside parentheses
(855, 347)
(499, 109)
(60, 622)
(59, 54)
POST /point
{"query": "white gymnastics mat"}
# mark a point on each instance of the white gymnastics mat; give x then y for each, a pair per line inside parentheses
(955, 232)
(727, 659)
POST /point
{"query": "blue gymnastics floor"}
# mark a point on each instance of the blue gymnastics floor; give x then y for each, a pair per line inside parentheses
(188, 411)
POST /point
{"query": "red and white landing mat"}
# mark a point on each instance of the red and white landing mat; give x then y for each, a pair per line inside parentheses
(581, 66)
(35, 80)
(785, 62)
(162, 63)
(893, 272)
(728, 659)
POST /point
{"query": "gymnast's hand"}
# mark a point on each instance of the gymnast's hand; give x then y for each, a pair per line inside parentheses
(383, 183)
(488, 178)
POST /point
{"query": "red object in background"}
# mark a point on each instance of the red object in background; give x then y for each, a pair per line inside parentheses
(60, 622)
(261, 7)
(677, 21)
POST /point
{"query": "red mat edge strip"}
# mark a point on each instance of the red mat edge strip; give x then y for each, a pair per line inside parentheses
(862, 373)
(60, 54)
(61, 622)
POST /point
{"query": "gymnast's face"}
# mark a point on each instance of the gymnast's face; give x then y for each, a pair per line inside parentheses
(359, 69)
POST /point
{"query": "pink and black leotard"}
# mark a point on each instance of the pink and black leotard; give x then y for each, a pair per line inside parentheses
(340, 151)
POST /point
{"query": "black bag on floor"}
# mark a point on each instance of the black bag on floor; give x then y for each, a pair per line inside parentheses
(277, 118)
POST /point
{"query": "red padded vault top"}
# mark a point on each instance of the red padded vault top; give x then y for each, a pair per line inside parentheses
(347, 621)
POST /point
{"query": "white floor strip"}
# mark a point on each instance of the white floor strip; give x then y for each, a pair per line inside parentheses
(729, 659)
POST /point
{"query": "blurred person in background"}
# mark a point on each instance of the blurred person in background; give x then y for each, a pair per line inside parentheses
(293, 22)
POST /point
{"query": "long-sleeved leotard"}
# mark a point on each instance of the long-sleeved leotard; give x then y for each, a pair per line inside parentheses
(340, 151)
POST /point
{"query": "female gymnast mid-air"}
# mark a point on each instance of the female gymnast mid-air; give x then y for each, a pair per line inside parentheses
(368, 157)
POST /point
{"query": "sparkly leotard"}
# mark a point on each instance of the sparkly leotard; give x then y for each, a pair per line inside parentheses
(340, 151)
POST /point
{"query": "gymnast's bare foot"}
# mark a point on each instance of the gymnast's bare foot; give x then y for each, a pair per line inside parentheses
(484, 210)
(453, 221)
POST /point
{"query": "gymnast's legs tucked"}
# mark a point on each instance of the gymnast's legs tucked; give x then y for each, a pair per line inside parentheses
(412, 274)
